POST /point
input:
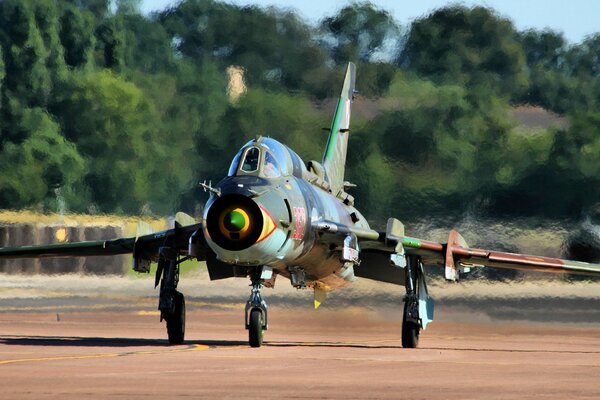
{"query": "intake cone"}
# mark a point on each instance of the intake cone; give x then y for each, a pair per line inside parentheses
(234, 222)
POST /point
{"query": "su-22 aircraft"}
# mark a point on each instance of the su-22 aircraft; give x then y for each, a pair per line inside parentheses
(273, 215)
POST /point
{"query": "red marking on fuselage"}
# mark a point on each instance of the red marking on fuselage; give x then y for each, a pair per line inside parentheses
(300, 216)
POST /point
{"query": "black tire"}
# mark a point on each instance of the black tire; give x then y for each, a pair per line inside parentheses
(410, 333)
(255, 330)
(176, 322)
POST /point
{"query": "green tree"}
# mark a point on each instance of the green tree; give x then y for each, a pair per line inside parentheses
(41, 162)
(115, 127)
(570, 169)
(197, 113)
(467, 46)
(374, 78)
(27, 78)
(292, 119)
(190, 104)
(128, 6)
(98, 8)
(275, 47)
(584, 59)
(445, 150)
(147, 46)
(545, 48)
(551, 83)
(360, 32)
(2, 75)
(77, 37)
(47, 20)
(577, 149)
(111, 41)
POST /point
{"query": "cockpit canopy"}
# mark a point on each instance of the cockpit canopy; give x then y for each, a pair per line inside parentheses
(267, 158)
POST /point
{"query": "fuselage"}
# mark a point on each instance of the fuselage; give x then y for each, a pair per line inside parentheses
(265, 214)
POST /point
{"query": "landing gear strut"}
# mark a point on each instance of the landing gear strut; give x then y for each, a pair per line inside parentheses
(171, 302)
(411, 323)
(256, 311)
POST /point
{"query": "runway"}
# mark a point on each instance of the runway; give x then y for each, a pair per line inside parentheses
(63, 344)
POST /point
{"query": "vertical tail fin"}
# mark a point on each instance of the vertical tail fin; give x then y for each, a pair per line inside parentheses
(334, 159)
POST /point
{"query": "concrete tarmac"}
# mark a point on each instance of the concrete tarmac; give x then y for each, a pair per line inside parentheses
(110, 345)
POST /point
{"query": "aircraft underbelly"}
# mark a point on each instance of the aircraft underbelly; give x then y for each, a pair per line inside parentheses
(325, 267)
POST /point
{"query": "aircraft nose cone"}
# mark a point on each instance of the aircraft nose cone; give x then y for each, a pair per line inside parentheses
(236, 220)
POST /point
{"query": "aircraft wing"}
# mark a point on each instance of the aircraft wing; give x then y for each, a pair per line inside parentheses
(381, 250)
(143, 248)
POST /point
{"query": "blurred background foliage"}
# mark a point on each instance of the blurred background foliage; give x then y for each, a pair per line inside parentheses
(456, 112)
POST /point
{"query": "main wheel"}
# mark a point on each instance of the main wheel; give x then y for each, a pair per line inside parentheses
(176, 322)
(410, 332)
(255, 330)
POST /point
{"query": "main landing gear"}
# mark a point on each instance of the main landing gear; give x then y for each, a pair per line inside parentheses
(411, 323)
(171, 302)
(256, 311)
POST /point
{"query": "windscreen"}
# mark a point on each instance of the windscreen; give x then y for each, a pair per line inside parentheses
(251, 160)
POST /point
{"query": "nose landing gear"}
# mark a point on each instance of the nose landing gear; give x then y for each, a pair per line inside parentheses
(256, 311)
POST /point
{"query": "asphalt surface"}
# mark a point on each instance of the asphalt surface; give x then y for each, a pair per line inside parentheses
(92, 338)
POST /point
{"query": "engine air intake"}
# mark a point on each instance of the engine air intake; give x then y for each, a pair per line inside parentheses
(235, 222)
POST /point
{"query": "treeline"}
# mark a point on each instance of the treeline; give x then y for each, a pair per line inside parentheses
(107, 110)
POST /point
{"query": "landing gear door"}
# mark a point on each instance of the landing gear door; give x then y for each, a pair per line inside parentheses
(426, 303)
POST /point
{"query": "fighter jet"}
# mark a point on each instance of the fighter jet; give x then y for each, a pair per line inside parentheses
(274, 215)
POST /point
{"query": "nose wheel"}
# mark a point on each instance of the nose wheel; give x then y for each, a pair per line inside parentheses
(256, 312)
(255, 328)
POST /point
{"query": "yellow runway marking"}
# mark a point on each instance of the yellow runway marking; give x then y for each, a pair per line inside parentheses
(233, 306)
(194, 347)
(144, 312)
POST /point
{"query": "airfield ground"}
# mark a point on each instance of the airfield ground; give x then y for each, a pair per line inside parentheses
(99, 338)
